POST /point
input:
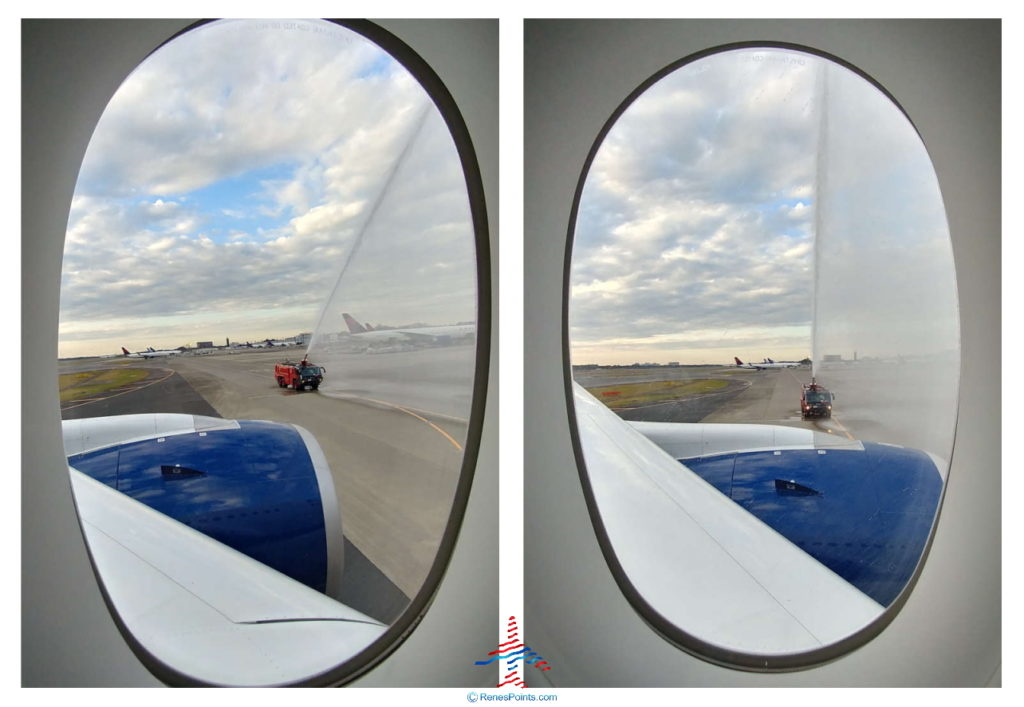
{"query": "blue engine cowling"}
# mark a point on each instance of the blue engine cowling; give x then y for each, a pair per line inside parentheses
(262, 488)
(865, 514)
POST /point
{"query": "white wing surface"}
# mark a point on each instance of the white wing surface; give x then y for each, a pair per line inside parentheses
(700, 560)
(173, 585)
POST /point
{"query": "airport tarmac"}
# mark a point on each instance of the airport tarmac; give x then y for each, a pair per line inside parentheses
(162, 390)
(395, 470)
(908, 404)
(772, 397)
(436, 382)
(751, 396)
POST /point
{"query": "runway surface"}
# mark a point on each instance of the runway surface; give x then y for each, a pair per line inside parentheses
(395, 470)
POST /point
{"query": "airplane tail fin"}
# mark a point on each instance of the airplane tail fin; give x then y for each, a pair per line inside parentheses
(737, 360)
(126, 351)
(353, 326)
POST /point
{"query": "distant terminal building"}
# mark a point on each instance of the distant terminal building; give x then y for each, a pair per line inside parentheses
(832, 358)
(674, 364)
(204, 344)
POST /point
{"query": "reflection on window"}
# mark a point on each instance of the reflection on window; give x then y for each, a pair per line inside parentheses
(267, 473)
(762, 285)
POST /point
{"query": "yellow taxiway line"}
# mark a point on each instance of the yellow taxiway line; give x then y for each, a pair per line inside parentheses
(418, 417)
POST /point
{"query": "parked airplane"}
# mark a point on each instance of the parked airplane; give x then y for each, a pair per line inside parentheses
(765, 364)
(265, 344)
(69, 635)
(149, 353)
(584, 613)
(429, 334)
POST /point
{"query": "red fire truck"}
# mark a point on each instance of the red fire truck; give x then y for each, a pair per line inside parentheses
(299, 376)
(815, 401)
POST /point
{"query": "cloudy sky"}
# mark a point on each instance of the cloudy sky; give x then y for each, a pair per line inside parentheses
(720, 193)
(694, 235)
(229, 178)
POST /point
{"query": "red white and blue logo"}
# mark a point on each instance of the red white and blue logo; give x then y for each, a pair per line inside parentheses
(515, 653)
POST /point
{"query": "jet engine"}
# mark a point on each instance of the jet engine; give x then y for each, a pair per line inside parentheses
(262, 488)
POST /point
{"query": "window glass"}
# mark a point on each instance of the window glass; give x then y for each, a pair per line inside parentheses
(762, 294)
(268, 334)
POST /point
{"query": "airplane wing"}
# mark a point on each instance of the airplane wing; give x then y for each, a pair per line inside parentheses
(701, 561)
(862, 509)
(228, 529)
(172, 584)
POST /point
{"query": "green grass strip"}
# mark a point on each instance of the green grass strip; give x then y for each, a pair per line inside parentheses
(633, 394)
(87, 384)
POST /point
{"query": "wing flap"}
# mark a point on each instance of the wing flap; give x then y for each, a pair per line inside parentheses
(173, 586)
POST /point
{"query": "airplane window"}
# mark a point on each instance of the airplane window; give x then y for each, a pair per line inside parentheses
(272, 343)
(764, 344)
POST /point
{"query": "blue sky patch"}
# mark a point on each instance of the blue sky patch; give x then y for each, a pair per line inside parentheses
(380, 66)
(236, 203)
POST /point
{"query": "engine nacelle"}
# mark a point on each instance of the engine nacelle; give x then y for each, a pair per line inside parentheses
(262, 488)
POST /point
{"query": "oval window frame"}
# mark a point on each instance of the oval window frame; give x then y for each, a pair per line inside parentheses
(697, 647)
(377, 651)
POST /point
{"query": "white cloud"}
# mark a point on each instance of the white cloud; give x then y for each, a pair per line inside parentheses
(226, 98)
(797, 212)
(688, 221)
(618, 285)
(161, 245)
(698, 217)
(326, 218)
(328, 116)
